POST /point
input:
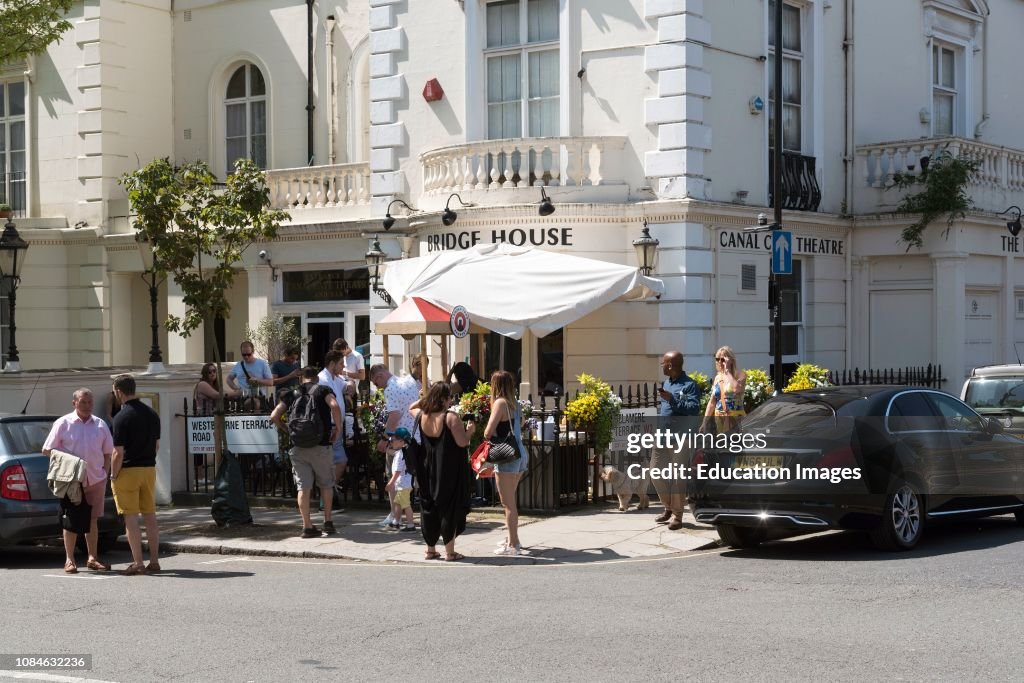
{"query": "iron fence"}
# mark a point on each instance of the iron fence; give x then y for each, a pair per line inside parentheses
(927, 376)
(12, 192)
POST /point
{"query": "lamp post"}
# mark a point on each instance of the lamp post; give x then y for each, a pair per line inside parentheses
(775, 292)
(147, 251)
(374, 257)
(12, 258)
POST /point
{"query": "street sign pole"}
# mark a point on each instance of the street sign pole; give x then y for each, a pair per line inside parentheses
(777, 195)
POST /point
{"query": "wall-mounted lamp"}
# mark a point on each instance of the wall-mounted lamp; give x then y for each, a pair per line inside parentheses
(388, 221)
(449, 216)
(646, 251)
(374, 258)
(1014, 225)
(265, 257)
(546, 207)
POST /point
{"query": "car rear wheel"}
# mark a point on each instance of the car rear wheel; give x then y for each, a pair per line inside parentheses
(741, 536)
(902, 519)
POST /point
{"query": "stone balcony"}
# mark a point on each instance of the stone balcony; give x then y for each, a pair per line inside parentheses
(998, 184)
(338, 192)
(511, 171)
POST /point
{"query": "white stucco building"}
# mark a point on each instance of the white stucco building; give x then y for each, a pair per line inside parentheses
(622, 110)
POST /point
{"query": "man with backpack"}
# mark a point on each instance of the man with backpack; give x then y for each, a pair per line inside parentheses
(314, 423)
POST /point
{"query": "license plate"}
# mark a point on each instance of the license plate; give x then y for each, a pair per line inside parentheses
(750, 461)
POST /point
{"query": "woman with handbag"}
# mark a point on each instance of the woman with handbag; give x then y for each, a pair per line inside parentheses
(504, 430)
(726, 404)
(443, 471)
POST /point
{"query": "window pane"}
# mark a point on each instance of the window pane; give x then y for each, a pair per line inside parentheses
(235, 120)
(791, 81)
(942, 116)
(258, 118)
(17, 165)
(544, 118)
(3, 99)
(503, 23)
(771, 23)
(236, 86)
(236, 151)
(790, 28)
(256, 84)
(544, 74)
(17, 129)
(542, 20)
(259, 151)
(16, 98)
(948, 69)
(511, 120)
(791, 133)
(936, 65)
(503, 78)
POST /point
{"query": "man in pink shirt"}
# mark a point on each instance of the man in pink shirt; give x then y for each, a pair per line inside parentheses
(82, 434)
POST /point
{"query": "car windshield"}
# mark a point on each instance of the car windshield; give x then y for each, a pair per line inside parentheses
(996, 394)
(791, 416)
(24, 437)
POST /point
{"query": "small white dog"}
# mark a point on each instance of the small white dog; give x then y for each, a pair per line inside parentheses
(624, 487)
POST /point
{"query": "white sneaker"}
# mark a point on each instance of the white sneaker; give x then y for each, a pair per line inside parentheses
(510, 550)
(390, 519)
(503, 543)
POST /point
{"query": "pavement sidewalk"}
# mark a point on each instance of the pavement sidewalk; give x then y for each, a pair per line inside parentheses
(584, 536)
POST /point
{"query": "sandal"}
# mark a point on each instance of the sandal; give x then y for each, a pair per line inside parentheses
(431, 555)
(134, 570)
(454, 557)
(152, 568)
(70, 567)
(98, 566)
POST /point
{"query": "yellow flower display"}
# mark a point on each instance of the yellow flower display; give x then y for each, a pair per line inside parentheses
(596, 408)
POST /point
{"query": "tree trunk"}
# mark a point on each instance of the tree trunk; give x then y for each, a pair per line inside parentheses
(219, 424)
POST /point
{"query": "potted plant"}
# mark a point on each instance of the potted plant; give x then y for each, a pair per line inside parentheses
(5, 210)
(596, 410)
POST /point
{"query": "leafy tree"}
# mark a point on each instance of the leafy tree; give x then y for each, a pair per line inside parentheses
(945, 183)
(199, 233)
(27, 27)
(273, 335)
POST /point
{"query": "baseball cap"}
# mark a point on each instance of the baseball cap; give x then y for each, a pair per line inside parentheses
(402, 433)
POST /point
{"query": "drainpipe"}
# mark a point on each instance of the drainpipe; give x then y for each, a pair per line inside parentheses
(330, 89)
(984, 80)
(309, 82)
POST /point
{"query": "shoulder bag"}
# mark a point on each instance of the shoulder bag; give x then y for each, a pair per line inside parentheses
(504, 449)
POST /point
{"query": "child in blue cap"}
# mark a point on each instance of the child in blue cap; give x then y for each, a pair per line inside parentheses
(400, 484)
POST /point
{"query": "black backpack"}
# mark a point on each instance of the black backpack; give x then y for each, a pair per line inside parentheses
(305, 428)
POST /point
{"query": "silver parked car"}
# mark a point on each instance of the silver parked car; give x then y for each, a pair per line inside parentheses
(997, 391)
(28, 509)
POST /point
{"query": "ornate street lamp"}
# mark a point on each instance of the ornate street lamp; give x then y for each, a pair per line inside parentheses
(147, 250)
(12, 258)
(374, 258)
(646, 251)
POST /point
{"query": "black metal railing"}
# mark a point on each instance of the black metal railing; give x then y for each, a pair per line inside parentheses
(12, 192)
(927, 376)
(800, 189)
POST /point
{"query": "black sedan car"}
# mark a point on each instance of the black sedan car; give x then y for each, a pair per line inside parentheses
(28, 509)
(883, 459)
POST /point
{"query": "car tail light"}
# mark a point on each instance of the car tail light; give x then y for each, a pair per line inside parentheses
(14, 483)
(840, 457)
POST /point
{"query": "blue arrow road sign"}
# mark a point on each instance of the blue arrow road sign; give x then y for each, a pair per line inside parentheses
(782, 252)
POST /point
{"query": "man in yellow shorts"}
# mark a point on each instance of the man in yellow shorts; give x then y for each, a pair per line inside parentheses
(133, 472)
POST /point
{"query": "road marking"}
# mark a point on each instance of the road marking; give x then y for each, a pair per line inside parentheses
(52, 678)
(89, 577)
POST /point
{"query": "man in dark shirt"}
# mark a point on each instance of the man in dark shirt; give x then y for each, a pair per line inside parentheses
(286, 372)
(133, 472)
(313, 465)
(680, 397)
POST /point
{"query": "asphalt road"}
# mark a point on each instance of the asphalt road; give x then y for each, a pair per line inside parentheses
(818, 608)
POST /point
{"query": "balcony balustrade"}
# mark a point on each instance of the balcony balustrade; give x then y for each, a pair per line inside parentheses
(315, 187)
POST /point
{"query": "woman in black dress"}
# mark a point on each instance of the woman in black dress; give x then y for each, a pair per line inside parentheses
(444, 472)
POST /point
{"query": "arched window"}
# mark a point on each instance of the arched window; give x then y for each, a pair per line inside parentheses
(245, 117)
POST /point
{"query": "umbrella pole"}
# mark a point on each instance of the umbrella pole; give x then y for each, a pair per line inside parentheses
(480, 356)
(444, 356)
(423, 367)
(387, 360)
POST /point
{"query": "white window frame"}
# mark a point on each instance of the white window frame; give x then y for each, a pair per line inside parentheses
(961, 112)
(804, 80)
(5, 128)
(247, 101)
(959, 29)
(476, 68)
(217, 95)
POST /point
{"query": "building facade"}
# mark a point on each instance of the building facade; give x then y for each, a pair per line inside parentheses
(621, 111)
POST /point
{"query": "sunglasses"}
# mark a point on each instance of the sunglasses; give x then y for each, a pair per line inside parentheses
(721, 360)
(246, 355)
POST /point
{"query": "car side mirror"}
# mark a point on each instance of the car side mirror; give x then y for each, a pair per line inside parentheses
(994, 426)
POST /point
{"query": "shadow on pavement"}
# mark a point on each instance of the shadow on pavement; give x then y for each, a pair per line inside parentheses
(939, 539)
